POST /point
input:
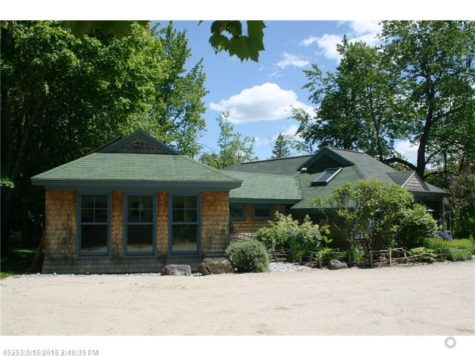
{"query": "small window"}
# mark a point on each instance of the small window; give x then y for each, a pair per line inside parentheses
(326, 176)
(237, 212)
(262, 212)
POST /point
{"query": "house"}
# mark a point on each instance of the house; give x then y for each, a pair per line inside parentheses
(135, 205)
(291, 185)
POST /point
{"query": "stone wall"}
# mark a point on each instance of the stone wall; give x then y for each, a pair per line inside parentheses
(60, 227)
(245, 228)
(214, 223)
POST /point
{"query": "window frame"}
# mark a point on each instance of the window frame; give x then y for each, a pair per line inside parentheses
(239, 218)
(317, 180)
(126, 224)
(171, 223)
(261, 206)
(79, 224)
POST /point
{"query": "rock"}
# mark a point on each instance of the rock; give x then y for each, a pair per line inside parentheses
(336, 264)
(176, 270)
(215, 266)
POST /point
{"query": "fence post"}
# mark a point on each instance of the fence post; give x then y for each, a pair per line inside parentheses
(390, 257)
(371, 258)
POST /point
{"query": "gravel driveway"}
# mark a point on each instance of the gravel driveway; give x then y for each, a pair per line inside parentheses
(436, 299)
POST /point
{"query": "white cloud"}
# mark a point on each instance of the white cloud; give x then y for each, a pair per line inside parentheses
(308, 41)
(361, 31)
(408, 150)
(327, 43)
(259, 141)
(275, 74)
(363, 27)
(264, 102)
(292, 60)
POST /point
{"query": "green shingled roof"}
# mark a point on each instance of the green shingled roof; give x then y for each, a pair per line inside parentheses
(134, 167)
(284, 166)
(265, 187)
(309, 192)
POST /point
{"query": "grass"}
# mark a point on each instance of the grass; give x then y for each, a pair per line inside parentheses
(444, 245)
(16, 261)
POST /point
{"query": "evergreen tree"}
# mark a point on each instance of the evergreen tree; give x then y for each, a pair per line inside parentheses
(281, 147)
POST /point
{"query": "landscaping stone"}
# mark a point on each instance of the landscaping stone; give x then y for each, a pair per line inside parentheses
(336, 264)
(215, 266)
(176, 270)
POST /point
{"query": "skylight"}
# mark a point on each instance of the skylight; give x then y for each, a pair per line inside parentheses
(326, 176)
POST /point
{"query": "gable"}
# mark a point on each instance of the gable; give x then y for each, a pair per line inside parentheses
(139, 142)
(414, 184)
(323, 159)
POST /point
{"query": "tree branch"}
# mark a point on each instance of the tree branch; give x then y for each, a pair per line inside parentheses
(400, 160)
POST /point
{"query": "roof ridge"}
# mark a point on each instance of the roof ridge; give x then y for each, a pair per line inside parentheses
(275, 159)
(267, 174)
(212, 169)
(346, 150)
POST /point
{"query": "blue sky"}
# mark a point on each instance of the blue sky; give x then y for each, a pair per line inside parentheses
(259, 96)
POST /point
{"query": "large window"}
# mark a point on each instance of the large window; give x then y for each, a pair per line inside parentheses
(237, 211)
(140, 225)
(184, 224)
(94, 225)
(262, 212)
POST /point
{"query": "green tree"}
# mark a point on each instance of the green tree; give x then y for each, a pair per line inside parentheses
(233, 148)
(435, 63)
(356, 104)
(64, 95)
(281, 147)
(462, 201)
(418, 85)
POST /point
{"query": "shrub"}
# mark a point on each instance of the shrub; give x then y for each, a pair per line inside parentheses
(416, 225)
(426, 255)
(355, 255)
(459, 254)
(369, 210)
(289, 234)
(248, 256)
(443, 245)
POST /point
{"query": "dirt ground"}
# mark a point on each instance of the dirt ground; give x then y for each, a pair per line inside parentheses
(434, 299)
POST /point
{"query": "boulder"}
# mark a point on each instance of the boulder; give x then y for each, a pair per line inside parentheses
(176, 270)
(336, 264)
(215, 266)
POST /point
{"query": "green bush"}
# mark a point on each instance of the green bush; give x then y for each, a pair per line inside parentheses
(355, 255)
(426, 254)
(248, 256)
(415, 225)
(285, 233)
(459, 254)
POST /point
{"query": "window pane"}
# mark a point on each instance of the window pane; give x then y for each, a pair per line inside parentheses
(184, 238)
(178, 202)
(146, 202)
(133, 202)
(133, 215)
(236, 211)
(140, 238)
(100, 215)
(100, 201)
(326, 174)
(262, 212)
(178, 215)
(87, 201)
(190, 202)
(87, 215)
(190, 215)
(94, 239)
(147, 215)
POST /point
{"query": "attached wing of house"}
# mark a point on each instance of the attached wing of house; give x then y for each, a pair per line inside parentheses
(297, 181)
